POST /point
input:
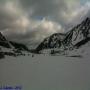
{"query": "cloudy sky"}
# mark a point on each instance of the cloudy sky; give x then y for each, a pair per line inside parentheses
(33, 20)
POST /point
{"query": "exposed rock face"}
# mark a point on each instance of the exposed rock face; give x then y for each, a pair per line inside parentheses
(75, 38)
(11, 48)
(54, 41)
(75, 41)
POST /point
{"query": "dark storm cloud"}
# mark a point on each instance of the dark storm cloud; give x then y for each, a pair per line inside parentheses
(44, 7)
(61, 11)
(20, 19)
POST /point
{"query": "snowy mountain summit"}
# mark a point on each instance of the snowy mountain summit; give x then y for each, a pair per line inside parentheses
(73, 41)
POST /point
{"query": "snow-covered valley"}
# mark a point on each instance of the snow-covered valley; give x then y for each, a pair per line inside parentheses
(46, 72)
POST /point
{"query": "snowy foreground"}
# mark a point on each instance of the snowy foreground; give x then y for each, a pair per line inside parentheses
(46, 72)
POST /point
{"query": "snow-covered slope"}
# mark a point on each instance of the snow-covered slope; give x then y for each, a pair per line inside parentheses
(54, 41)
(73, 40)
(68, 43)
(11, 48)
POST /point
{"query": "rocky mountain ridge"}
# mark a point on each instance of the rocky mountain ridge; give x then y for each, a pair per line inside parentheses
(11, 48)
(74, 39)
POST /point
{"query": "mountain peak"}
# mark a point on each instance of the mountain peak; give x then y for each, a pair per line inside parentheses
(86, 21)
(87, 18)
(2, 38)
(77, 35)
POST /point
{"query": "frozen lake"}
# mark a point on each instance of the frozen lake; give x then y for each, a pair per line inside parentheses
(46, 73)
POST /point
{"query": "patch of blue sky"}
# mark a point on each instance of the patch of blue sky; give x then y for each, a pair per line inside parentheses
(38, 17)
(84, 1)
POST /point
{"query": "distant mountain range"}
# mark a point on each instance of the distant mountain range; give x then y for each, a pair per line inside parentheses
(60, 43)
(75, 42)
